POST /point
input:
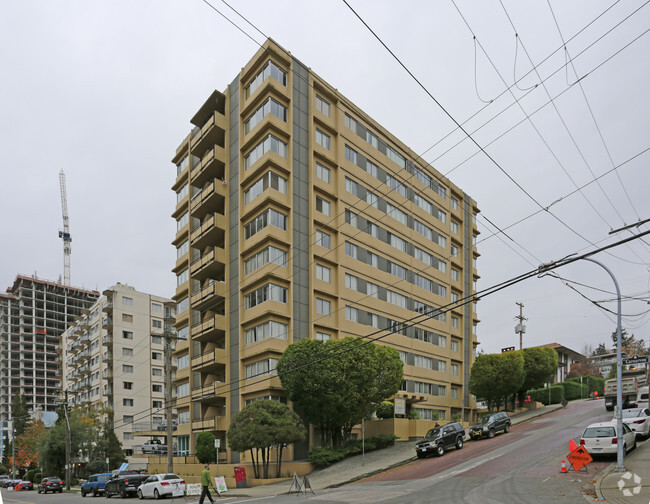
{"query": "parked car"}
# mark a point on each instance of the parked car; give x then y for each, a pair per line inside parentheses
(489, 424)
(95, 485)
(154, 446)
(161, 485)
(439, 439)
(638, 420)
(24, 485)
(600, 438)
(642, 398)
(4, 480)
(50, 484)
(11, 483)
(123, 483)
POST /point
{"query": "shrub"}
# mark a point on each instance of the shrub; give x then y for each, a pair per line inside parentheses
(322, 457)
(574, 390)
(385, 409)
(384, 440)
(541, 395)
(31, 475)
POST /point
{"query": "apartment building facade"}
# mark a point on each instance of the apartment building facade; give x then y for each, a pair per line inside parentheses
(114, 361)
(299, 216)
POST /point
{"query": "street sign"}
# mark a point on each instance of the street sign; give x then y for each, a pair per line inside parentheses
(217, 443)
(636, 360)
(507, 349)
(579, 458)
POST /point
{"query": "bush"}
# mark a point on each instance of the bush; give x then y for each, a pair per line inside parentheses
(384, 440)
(541, 395)
(322, 457)
(573, 390)
(31, 475)
(385, 409)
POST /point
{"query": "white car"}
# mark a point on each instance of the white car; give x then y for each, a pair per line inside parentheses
(601, 438)
(162, 485)
(638, 419)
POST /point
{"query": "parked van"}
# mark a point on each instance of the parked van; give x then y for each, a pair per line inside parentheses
(642, 398)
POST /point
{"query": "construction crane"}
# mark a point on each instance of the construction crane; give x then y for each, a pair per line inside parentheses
(65, 234)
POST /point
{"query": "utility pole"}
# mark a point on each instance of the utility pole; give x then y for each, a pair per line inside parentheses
(13, 449)
(520, 328)
(168, 400)
(67, 443)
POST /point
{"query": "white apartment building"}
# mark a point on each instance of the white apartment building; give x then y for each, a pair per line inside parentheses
(114, 358)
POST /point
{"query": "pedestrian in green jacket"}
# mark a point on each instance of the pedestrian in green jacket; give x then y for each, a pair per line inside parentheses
(205, 483)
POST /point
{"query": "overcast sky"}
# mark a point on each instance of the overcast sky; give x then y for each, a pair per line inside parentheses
(105, 91)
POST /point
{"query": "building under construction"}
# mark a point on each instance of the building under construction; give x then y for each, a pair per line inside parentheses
(34, 313)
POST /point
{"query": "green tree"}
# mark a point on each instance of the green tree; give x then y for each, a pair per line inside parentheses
(601, 349)
(107, 446)
(540, 363)
(205, 450)
(496, 376)
(20, 414)
(261, 426)
(339, 382)
(385, 409)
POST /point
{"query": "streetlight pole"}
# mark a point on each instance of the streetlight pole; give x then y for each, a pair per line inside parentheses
(619, 375)
(67, 442)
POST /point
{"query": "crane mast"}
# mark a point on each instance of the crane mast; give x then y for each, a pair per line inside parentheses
(65, 234)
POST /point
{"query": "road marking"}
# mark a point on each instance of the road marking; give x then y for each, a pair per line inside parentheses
(546, 479)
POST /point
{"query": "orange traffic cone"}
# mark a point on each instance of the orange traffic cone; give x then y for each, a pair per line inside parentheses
(563, 467)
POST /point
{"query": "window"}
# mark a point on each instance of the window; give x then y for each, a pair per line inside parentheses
(323, 206)
(321, 336)
(268, 255)
(156, 372)
(184, 191)
(372, 289)
(157, 404)
(454, 392)
(398, 271)
(454, 297)
(156, 388)
(268, 217)
(127, 352)
(323, 172)
(372, 259)
(455, 369)
(397, 242)
(183, 390)
(269, 329)
(454, 251)
(183, 361)
(322, 239)
(128, 385)
(270, 106)
(126, 368)
(156, 323)
(351, 281)
(454, 227)
(351, 250)
(156, 356)
(350, 154)
(372, 230)
(127, 301)
(183, 333)
(372, 199)
(263, 367)
(127, 419)
(182, 222)
(267, 292)
(323, 306)
(156, 340)
(396, 214)
(322, 139)
(454, 322)
(127, 335)
(374, 320)
(128, 436)
(127, 402)
(394, 184)
(182, 277)
(270, 144)
(454, 203)
(269, 70)
(127, 318)
(396, 298)
(323, 273)
(351, 314)
(183, 305)
(454, 346)
(322, 106)
(455, 274)
(269, 180)
(155, 307)
(351, 186)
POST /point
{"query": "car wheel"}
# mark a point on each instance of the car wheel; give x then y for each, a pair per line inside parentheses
(38, 490)
(95, 492)
(506, 428)
(140, 496)
(440, 450)
(490, 433)
(123, 493)
(61, 491)
(83, 494)
(107, 494)
(459, 443)
(156, 495)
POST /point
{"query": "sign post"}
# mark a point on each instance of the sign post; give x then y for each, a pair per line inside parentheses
(217, 445)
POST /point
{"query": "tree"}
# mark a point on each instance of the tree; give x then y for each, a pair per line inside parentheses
(261, 426)
(601, 349)
(27, 445)
(205, 450)
(629, 344)
(19, 414)
(108, 446)
(496, 376)
(583, 369)
(540, 363)
(337, 383)
(385, 409)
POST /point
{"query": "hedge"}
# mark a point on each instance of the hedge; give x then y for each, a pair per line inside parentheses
(323, 457)
(541, 395)
(593, 383)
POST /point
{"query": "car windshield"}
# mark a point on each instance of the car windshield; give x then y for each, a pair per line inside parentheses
(435, 432)
(486, 418)
(631, 413)
(597, 432)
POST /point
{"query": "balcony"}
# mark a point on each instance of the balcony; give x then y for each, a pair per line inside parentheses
(107, 340)
(108, 306)
(212, 264)
(210, 362)
(107, 357)
(211, 329)
(214, 393)
(107, 322)
(212, 132)
(210, 232)
(212, 166)
(107, 374)
(209, 199)
(210, 295)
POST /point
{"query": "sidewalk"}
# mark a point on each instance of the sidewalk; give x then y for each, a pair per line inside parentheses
(358, 467)
(634, 482)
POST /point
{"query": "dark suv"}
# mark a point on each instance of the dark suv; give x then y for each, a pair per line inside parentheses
(439, 439)
(50, 485)
(490, 424)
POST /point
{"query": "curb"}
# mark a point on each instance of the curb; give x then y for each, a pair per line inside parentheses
(606, 472)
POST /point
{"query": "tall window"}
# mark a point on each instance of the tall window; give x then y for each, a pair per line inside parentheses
(270, 216)
(263, 367)
(322, 139)
(267, 292)
(322, 106)
(270, 106)
(323, 273)
(269, 70)
(270, 254)
(323, 206)
(269, 329)
(322, 172)
(269, 144)
(351, 314)
(322, 239)
(269, 180)
(323, 306)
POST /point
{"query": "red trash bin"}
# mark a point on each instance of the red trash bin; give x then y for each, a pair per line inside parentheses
(240, 477)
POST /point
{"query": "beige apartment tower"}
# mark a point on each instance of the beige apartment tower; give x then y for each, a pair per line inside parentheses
(114, 360)
(299, 216)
